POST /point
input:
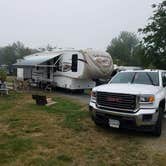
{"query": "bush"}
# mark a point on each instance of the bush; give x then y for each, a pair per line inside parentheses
(3, 75)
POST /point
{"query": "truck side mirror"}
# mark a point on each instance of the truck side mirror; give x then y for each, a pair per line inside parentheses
(164, 84)
(164, 81)
(74, 65)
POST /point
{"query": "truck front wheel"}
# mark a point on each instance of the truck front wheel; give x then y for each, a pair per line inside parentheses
(158, 127)
(96, 121)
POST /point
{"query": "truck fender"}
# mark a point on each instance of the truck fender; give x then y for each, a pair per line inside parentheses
(162, 104)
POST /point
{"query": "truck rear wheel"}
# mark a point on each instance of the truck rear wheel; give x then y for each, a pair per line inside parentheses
(158, 127)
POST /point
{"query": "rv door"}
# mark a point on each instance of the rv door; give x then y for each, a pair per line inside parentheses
(20, 73)
(48, 70)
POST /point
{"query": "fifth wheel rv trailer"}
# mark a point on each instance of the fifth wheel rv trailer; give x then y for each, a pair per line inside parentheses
(70, 69)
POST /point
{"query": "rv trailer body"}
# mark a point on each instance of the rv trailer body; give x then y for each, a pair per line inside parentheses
(70, 69)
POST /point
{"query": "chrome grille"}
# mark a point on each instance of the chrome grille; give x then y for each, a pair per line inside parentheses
(116, 101)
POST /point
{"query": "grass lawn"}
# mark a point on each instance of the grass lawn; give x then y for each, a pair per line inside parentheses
(63, 134)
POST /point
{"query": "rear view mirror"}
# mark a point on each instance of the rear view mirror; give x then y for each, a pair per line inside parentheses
(74, 65)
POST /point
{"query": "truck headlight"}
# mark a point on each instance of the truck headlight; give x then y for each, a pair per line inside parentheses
(147, 99)
(93, 95)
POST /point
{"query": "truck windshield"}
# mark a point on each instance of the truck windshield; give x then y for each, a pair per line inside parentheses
(149, 78)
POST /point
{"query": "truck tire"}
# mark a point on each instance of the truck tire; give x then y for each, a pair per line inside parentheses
(97, 123)
(94, 119)
(158, 127)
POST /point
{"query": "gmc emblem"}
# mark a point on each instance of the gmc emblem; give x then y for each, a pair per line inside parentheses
(113, 99)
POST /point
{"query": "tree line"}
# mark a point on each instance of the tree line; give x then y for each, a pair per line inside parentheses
(9, 54)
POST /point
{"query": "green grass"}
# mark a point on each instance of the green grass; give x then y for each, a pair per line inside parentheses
(63, 134)
(70, 110)
(14, 147)
(9, 101)
(64, 158)
(73, 120)
(61, 160)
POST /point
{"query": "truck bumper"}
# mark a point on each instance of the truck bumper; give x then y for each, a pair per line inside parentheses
(143, 119)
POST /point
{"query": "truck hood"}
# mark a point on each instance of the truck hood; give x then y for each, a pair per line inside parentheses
(136, 89)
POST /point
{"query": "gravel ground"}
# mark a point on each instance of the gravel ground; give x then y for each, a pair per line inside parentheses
(83, 98)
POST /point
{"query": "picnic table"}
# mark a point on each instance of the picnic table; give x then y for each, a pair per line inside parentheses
(3, 88)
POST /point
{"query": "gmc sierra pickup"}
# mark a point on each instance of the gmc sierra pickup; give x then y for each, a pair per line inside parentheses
(132, 99)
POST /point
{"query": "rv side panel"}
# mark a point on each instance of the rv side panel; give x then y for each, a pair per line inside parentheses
(72, 83)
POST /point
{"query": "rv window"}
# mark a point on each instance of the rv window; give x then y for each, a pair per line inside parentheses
(66, 66)
(54, 69)
(59, 65)
(48, 70)
(74, 63)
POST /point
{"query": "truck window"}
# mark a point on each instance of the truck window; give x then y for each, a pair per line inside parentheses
(164, 79)
(154, 77)
(124, 77)
(142, 78)
(149, 78)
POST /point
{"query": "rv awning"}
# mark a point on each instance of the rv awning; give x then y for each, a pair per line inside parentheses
(36, 59)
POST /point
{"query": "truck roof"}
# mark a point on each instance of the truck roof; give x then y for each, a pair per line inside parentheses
(145, 70)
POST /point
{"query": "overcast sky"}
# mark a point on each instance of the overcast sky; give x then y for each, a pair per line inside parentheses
(70, 23)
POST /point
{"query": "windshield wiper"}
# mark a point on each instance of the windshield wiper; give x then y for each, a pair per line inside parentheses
(151, 80)
(133, 78)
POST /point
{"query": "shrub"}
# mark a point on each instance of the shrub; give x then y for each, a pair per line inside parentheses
(3, 75)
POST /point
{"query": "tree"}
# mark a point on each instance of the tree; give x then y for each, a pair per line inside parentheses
(10, 53)
(125, 49)
(49, 47)
(3, 75)
(154, 37)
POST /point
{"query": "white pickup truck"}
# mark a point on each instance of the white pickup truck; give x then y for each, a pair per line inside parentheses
(132, 99)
